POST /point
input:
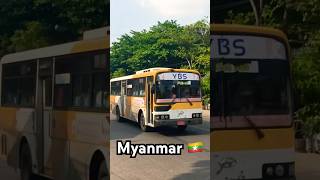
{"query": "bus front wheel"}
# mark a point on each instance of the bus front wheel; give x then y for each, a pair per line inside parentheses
(118, 117)
(143, 126)
(103, 171)
(25, 163)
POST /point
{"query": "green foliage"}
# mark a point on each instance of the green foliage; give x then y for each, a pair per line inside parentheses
(118, 73)
(300, 21)
(28, 24)
(31, 37)
(306, 70)
(309, 115)
(166, 44)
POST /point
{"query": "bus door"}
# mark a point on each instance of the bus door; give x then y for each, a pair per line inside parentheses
(45, 116)
(123, 98)
(149, 99)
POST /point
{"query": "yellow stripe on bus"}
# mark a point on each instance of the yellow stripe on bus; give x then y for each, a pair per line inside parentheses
(8, 118)
(63, 121)
(91, 45)
(181, 106)
(237, 140)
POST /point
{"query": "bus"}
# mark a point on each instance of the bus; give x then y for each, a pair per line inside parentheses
(252, 134)
(53, 109)
(158, 97)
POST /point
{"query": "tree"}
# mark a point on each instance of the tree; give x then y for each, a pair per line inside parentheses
(28, 24)
(300, 21)
(166, 44)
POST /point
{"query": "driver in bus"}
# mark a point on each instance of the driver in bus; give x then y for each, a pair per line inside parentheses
(173, 92)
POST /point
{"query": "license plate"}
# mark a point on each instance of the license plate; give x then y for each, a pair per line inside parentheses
(181, 123)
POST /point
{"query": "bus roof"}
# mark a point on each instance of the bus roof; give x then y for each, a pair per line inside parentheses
(92, 41)
(235, 28)
(152, 72)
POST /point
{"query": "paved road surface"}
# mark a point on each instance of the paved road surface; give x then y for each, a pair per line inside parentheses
(184, 167)
(7, 173)
(180, 167)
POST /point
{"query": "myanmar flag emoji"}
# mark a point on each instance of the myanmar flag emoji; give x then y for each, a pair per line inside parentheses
(195, 147)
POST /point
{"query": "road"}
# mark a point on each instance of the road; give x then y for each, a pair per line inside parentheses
(185, 166)
(7, 173)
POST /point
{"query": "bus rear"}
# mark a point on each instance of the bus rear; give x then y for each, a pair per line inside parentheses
(252, 135)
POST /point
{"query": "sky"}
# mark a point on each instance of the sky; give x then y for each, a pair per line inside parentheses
(136, 15)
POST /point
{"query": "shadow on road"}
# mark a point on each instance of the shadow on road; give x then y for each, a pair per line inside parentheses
(129, 129)
(201, 170)
(124, 130)
(173, 131)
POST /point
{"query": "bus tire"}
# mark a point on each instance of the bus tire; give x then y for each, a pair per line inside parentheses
(143, 127)
(103, 171)
(118, 117)
(25, 162)
(182, 128)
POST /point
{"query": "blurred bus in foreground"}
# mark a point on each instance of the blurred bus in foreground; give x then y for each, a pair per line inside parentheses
(158, 97)
(251, 118)
(53, 109)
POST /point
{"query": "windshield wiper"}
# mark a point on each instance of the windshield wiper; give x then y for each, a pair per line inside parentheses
(173, 99)
(189, 101)
(258, 131)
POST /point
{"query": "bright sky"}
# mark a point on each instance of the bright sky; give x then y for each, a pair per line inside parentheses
(136, 15)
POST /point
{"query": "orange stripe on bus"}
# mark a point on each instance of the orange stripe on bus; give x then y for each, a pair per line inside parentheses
(237, 140)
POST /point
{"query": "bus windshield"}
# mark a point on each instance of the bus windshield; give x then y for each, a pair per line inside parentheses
(261, 93)
(169, 88)
(251, 81)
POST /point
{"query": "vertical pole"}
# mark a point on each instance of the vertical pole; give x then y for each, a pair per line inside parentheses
(260, 12)
(257, 10)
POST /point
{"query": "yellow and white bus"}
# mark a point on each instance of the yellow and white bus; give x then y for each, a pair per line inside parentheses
(158, 97)
(54, 107)
(252, 136)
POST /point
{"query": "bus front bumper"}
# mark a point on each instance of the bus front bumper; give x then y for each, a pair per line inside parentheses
(177, 122)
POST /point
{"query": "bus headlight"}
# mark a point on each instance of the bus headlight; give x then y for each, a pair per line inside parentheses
(279, 171)
(269, 171)
(196, 115)
(276, 170)
(162, 117)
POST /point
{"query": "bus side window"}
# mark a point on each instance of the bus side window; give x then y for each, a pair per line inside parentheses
(124, 87)
(142, 83)
(62, 96)
(130, 87)
(19, 84)
(116, 88)
(81, 90)
(99, 89)
(27, 88)
(10, 92)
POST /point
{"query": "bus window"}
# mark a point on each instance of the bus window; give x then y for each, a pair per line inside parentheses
(100, 61)
(142, 83)
(10, 92)
(116, 88)
(81, 90)
(88, 89)
(99, 90)
(131, 87)
(62, 96)
(18, 87)
(123, 87)
(48, 92)
(27, 88)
